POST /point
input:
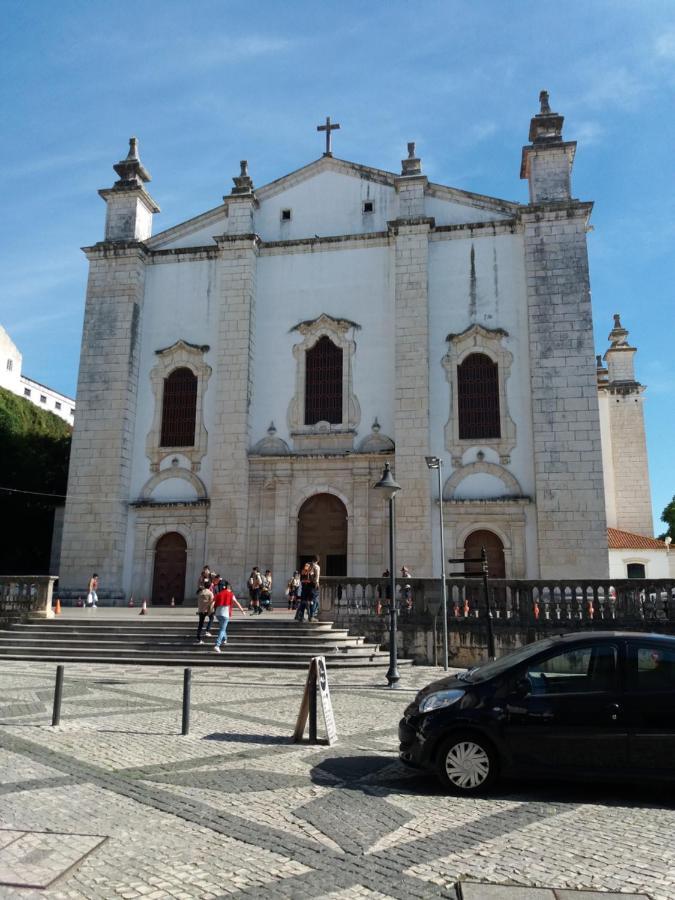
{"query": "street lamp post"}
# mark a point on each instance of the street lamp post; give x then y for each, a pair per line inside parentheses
(435, 462)
(389, 489)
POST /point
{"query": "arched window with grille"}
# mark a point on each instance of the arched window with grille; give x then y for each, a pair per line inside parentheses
(323, 383)
(478, 398)
(179, 409)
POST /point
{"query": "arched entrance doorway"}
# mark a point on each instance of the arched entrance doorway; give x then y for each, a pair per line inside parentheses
(322, 530)
(168, 578)
(494, 549)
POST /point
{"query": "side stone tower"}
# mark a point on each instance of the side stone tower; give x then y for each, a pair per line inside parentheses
(571, 522)
(629, 505)
(96, 514)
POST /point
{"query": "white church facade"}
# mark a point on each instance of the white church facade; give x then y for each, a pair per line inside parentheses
(245, 375)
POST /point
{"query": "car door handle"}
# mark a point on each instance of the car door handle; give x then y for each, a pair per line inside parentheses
(613, 709)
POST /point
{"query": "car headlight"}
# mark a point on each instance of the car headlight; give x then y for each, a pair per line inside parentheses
(440, 699)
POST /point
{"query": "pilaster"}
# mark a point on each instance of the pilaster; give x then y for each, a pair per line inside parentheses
(96, 515)
(411, 394)
(230, 438)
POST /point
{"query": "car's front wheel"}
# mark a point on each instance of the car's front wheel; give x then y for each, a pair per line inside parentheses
(467, 763)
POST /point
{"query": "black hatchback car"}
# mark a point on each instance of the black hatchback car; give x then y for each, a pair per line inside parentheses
(591, 705)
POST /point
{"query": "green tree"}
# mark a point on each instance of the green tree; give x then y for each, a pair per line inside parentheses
(34, 449)
(668, 516)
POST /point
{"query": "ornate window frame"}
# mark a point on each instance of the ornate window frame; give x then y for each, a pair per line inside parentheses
(478, 339)
(179, 355)
(323, 435)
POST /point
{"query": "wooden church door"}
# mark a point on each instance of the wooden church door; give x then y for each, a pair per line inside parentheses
(170, 565)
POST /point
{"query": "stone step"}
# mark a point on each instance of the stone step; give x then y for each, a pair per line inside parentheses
(122, 637)
(186, 628)
(226, 658)
(312, 648)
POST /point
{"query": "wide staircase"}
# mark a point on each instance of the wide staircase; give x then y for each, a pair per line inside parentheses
(123, 638)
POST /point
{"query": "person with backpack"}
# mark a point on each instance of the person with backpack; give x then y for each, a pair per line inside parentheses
(266, 591)
(223, 609)
(205, 610)
(254, 586)
(293, 590)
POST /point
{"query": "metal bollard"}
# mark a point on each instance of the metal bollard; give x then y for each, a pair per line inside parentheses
(58, 694)
(187, 681)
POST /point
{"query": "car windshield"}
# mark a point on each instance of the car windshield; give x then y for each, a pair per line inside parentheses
(497, 666)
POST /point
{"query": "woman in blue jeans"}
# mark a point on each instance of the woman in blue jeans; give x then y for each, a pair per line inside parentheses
(223, 608)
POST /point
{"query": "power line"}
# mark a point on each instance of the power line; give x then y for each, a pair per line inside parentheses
(32, 493)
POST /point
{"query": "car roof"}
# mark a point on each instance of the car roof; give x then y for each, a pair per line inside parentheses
(612, 635)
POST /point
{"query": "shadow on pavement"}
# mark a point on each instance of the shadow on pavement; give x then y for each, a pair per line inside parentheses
(384, 774)
(236, 738)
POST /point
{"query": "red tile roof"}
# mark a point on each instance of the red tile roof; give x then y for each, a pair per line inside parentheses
(626, 540)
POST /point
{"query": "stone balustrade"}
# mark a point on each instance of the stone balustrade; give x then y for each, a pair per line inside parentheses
(522, 611)
(26, 595)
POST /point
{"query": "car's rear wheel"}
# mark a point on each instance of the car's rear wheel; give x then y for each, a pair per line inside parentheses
(467, 763)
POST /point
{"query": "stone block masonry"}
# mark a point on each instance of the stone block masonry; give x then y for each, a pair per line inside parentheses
(230, 437)
(411, 428)
(95, 524)
(571, 520)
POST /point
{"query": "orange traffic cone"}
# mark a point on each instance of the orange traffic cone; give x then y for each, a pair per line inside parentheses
(57, 608)
(144, 608)
(131, 600)
(173, 601)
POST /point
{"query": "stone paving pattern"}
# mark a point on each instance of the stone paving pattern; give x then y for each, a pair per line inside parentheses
(236, 809)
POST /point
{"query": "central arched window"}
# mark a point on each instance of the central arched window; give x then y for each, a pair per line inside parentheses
(179, 409)
(478, 398)
(323, 383)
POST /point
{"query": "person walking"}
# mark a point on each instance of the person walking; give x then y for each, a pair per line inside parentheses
(266, 591)
(293, 590)
(223, 608)
(204, 578)
(205, 610)
(254, 585)
(92, 595)
(305, 591)
(314, 581)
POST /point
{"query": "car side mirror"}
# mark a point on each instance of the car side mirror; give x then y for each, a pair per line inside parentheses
(522, 687)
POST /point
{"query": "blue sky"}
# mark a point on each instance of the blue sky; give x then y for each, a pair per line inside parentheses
(206, 84)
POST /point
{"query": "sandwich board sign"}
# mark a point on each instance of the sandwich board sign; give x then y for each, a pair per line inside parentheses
(317, 677)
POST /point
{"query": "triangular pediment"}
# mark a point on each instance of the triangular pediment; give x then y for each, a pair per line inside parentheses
(326, 198)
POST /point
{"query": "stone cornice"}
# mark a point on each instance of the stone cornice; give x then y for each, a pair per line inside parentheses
(107, 249)
(140, 192)
(476, 229)
(330, 242)
(419, 223)
(554, 211)
(160, 504)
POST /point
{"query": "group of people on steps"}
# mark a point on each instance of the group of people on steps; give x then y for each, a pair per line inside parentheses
(215, 598)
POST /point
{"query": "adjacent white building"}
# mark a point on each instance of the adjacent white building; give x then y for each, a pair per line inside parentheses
(12, 379)
(245, 375)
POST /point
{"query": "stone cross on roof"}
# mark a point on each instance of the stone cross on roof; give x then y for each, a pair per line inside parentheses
(328, 128)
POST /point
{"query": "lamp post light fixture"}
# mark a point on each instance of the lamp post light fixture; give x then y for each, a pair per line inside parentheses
(389, 488)
(435, 462)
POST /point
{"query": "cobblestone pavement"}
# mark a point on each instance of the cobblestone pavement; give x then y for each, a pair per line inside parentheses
(116, 803)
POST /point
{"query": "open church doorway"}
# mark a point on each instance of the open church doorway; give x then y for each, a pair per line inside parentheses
(494, 549)
(322, 530)
(168, 579)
